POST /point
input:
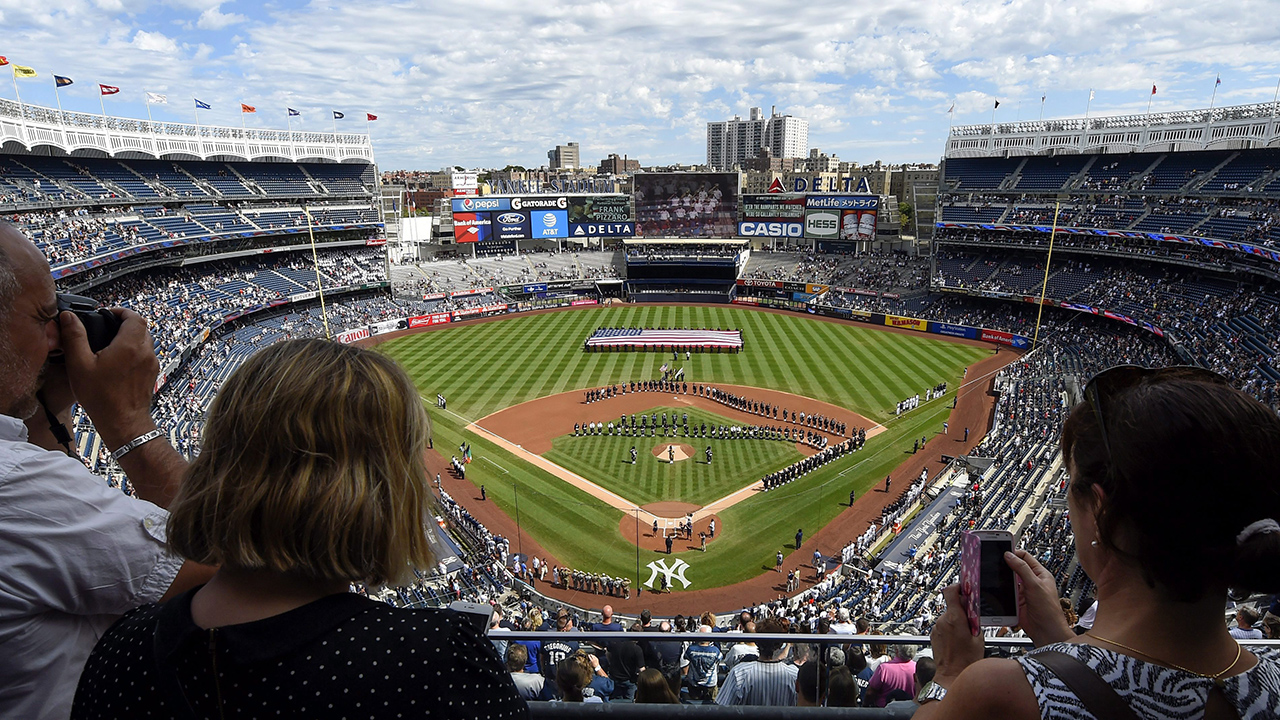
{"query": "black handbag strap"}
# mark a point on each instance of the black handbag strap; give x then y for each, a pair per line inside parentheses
(1098, 697)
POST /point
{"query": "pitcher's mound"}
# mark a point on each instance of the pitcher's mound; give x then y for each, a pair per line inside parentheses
(681, 451)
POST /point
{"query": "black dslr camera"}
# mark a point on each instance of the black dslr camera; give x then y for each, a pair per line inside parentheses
(100, 324)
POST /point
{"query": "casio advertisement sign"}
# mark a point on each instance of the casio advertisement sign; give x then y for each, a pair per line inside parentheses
(549, 223)
(540, 203)
(771, 229)
(821, 224)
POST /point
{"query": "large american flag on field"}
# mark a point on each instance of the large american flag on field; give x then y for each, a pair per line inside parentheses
(612, 337)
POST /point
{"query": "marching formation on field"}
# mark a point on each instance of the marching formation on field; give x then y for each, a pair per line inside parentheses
(802, 467)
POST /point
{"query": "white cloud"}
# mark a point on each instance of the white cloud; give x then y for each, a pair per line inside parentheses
(154, 42)
(214, 19)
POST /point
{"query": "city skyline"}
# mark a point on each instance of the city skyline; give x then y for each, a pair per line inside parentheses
(637, 80)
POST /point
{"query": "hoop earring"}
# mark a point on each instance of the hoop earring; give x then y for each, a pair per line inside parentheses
(1093, 543)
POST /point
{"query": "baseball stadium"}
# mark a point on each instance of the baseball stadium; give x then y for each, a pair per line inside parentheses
(678, 399)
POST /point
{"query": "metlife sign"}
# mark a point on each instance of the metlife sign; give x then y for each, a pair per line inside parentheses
(821, 224)
(842, 202)
(771, 229)
(602, 229)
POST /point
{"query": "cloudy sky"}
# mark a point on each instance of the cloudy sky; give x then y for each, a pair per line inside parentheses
(484, 83)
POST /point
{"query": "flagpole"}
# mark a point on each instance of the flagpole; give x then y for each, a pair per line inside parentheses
(147, 100)
(1150, 97)
(335, 125)
(1088, 104)
(288, 118)
(22, 109)
(1215, 93)
(1042, 97)
(103, 104)
(1275, 99)
(57, 95)
(196, 102)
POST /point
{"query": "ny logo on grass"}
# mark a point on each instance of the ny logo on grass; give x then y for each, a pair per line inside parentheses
(676, 571)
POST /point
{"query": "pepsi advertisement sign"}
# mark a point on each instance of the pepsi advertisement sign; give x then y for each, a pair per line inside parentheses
(480, 204)
(549, 223)
(602, 229)
(511, 225)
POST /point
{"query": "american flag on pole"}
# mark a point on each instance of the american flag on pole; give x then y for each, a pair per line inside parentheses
(615, 337)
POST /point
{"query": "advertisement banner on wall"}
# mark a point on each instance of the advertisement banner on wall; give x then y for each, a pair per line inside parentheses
(760, 228)
(428, 320)
(585, 301)
(842, 202)
(960, 331)
(465, 183)
(906, 322)
(387, 326)
(602, 229)
(548, 224)
(822, 224)
(472, 227)
(779, 207)
(761, 283)
(481, 204)
(686, 204)
(511, 225)
(351, 336)
(600, 209)
(857, 225)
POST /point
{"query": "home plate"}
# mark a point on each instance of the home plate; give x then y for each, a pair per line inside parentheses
(672, 452)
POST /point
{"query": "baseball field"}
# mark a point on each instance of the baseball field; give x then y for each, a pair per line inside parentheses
(486, 369)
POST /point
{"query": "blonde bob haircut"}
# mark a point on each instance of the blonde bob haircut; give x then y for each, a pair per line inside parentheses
(313, 464)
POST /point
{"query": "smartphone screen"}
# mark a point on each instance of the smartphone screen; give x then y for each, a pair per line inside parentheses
(997, 594)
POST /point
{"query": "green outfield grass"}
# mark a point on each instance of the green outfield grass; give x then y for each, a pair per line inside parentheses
(486, 367)
(606, 460)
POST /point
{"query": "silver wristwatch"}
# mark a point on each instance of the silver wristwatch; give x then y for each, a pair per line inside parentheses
(933, 691)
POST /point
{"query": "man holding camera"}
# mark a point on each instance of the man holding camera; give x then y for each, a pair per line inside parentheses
(77, 554)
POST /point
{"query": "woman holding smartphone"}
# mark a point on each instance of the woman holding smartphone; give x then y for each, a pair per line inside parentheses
(311, 478)
(1173, 500)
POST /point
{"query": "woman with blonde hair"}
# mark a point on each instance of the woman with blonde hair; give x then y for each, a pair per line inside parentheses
(311, 477)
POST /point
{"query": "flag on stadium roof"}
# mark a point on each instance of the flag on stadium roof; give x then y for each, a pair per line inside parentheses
(1153, 88)
(997, 105)
(1090, 93)
(1218, 82)
(3, 61)
(337, 115)
(370, 116)
(23, 71)
(157, 99)
(108, 89)
(202, 105)
(953, 108)
(60, 81)
(293, 113)
(247, 108)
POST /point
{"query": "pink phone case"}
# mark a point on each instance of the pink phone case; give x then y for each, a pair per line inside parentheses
(970, 555)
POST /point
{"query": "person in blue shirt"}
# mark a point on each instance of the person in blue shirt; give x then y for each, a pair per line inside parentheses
(703, 660)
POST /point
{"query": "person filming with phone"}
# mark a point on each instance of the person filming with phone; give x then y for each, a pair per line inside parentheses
(76, 553)
(1173, 500)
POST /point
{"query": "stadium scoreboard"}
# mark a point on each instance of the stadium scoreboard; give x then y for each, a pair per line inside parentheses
(542, 217)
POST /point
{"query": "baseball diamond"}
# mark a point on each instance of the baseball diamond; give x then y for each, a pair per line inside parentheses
(521, 387)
